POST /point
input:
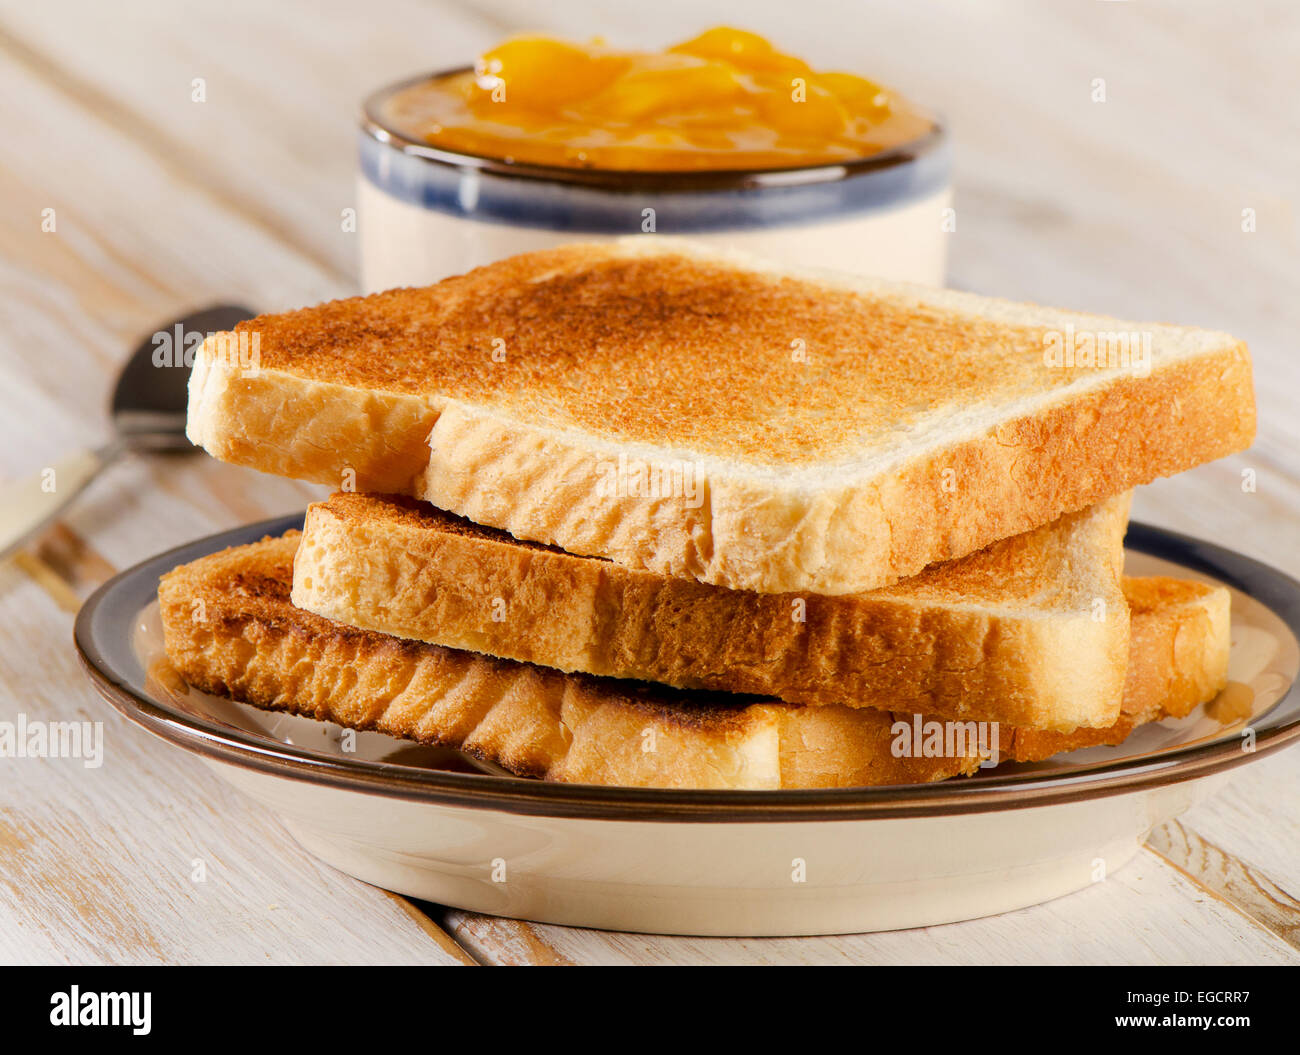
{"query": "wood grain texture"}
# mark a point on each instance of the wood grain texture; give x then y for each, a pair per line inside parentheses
(1256, 819)
(102, 866)
(1140, 915)
(1132, 206)
(1240, 885)
(441, 938)
(511, 942)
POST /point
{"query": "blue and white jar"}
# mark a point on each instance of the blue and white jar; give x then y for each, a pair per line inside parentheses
(426, 213)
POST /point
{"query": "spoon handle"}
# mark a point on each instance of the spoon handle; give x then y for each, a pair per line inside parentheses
(28, 505)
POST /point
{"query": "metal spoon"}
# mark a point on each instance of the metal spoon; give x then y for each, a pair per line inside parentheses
(148, 414)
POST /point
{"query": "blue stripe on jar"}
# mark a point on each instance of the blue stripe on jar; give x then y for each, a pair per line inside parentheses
(474, 194)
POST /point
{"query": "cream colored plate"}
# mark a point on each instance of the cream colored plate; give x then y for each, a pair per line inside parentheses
(436, 825)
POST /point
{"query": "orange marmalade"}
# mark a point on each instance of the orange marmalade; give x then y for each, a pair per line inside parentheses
(725, 100)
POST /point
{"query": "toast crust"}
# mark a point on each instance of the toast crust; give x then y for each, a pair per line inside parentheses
(1009, 634)
(246, 640)
(1180, 632)
(849, 532)
(230, 629)
(918, 425)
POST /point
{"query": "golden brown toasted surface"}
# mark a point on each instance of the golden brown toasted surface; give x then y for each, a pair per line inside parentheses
(706, 416)
(230, 629)
(672, 351)
(1007, 634)
(1156, 594)
(675, 351)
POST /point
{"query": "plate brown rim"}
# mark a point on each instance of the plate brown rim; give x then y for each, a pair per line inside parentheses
(239, 747)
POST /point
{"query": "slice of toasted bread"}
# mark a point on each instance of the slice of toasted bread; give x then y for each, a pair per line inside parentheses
(704, 415)
(1031, 630)
(231, 629)
(1178, 659)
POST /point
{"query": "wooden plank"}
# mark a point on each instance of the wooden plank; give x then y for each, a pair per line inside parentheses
(1255, 818)
(97, 865)
(1149, 912)
(75, 306)
(505, 942)
(57, 589)
(1246, 888)
(66, 568)
(441, 938)
(240, 197)
(273, 137)
(143, 514)
(74, 560)
(132, 245)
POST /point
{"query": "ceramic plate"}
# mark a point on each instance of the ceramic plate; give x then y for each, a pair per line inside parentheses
(438, 825)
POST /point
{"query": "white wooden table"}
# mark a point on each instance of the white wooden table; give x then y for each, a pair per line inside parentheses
(1132, 206)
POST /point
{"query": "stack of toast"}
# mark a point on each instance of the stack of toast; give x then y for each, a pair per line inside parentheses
(643, 514)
